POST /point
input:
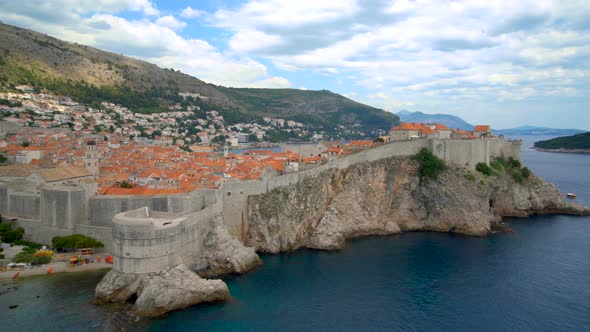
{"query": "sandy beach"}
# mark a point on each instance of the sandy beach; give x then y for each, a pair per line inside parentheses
(58, 267)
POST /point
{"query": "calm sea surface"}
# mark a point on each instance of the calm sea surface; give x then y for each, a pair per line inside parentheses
(536, 279)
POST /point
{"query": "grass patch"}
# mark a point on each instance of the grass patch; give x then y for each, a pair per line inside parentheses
(469, 177)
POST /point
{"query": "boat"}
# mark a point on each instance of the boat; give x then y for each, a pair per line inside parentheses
(571, 195)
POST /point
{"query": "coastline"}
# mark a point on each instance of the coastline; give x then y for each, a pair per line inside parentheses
(574, 151)
(58, 267)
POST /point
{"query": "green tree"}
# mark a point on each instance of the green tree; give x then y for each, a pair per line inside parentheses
(75, 241)
(126, 184)
(430, 165)
(8, 235)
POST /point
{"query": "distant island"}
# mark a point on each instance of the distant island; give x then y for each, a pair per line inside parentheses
(579, 143)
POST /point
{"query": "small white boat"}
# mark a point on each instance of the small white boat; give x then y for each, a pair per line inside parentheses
(570, 195)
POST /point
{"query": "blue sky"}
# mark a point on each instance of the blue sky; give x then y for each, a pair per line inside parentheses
(506, 63)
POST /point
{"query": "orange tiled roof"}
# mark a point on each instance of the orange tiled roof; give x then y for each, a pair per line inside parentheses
(482, 128)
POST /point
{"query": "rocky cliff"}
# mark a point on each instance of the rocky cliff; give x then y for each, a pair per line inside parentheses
(387, 197)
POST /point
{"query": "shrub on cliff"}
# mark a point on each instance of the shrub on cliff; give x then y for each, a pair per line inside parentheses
(75, 241)
(484, 169)
(514, 163)
(517, 175)
(497, 165)
(430, 165)
(526, 173)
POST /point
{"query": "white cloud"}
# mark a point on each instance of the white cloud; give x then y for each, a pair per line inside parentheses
(249, 40)
(145, 5)
(190, 12)
(280, 13)
(170, 22)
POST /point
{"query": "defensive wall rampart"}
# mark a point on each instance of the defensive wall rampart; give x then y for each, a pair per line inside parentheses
(133, 226)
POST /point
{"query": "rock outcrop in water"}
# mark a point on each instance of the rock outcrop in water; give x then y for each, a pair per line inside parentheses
(387, 197)
(159, 293)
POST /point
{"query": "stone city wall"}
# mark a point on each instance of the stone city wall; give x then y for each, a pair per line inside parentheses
(66, 210)
(462, 152)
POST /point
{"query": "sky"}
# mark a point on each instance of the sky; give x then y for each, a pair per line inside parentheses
(506, 63)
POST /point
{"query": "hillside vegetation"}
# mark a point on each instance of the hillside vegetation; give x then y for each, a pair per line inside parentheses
(89, 75)
(575, 142)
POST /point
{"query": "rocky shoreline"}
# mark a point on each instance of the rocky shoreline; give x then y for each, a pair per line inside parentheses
(321, 212)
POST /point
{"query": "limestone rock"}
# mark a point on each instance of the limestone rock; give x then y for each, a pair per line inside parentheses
(222, 253)
(117, 287)
(177, 288)
(162, 292)
(386, 197)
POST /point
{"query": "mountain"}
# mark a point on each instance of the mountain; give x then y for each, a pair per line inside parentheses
(574, 142)
(532, 130)
(89, 75)
(448, 120)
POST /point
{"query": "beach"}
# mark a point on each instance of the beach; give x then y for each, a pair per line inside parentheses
(58, 267)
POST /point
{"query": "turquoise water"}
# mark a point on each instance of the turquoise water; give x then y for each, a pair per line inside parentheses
(535, 279)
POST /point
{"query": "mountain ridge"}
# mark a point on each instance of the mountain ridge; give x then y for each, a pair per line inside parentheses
(90, 74)
(448, 120)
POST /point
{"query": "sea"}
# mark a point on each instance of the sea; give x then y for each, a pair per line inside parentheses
(536, 278)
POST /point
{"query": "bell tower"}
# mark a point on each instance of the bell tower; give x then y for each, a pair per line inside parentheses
(225, 151)
(91, 158)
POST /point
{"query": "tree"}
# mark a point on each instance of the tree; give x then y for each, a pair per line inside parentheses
(126, 184)
(8, 235)
(430, 165)
(75, 241)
